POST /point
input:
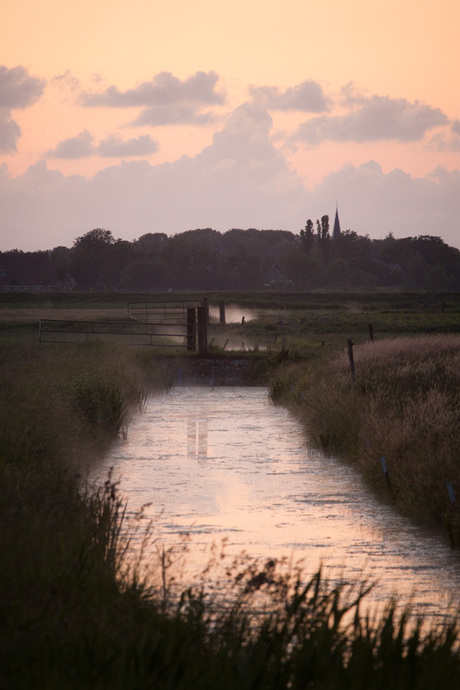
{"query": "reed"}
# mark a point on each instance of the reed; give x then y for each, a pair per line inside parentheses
(403, 407)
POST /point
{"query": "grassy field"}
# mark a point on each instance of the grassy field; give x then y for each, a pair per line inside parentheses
(76, 613)
(301, 320)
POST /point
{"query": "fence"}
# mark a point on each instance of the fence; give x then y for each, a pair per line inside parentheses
(178, 328)
(164, 311)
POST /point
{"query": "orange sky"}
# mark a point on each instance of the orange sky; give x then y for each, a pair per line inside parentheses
(397, 63)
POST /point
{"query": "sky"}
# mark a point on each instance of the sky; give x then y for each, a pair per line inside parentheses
(141, 116)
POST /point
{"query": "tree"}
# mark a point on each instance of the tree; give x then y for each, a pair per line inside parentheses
(323, 233)
(94, 239)
(324, 228)
(145, 274)
(89, 254)
(151, 242)
(307, 236)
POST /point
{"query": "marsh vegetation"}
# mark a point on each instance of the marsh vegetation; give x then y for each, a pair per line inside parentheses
(76, 612)
(397, 422)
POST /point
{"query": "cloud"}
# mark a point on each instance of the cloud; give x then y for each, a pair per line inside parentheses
(375, 203)
(18, 89)
(166, 100)
(9, 133)
(245, 137)
(158, 115)
(240, 180)
(67, 84)
(113, 146)
(446, 141)
(307, 96)
(80, 146)
(377, 119)
(163, 90)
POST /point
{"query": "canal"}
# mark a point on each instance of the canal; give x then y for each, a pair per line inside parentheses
(223, 465)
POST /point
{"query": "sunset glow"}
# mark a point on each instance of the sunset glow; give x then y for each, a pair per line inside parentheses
(168, 115)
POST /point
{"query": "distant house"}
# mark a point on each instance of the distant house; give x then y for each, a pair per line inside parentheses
(396, 269)
(275, 279)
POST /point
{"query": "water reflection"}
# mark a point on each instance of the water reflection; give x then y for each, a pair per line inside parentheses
(197, 438)
(225, 463)
(237, 314)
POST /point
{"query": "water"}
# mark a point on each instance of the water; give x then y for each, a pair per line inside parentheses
(223, 462)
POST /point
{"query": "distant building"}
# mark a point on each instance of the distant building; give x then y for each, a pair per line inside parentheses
(336, 231)
(275, 279)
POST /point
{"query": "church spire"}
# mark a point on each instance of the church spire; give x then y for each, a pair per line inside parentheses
(336, 231)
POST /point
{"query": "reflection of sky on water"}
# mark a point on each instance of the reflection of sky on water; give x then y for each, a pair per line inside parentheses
(224, 462)
(234, 313)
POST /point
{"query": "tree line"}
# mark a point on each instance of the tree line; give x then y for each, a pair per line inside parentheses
(205, 259)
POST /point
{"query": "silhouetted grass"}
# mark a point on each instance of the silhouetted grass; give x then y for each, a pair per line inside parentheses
(75, 609)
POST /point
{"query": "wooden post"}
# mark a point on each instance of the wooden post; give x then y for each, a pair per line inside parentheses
(451, 493)
(191, 330)
(222, 312)
(205, 303)
(351, 358)
(202, 330)
(371, 333)
(385, 470)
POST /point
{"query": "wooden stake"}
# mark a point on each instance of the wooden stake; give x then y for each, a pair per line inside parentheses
(351, 358)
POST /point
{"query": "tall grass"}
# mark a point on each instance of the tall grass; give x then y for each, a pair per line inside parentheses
(403, 407)
(75, 612)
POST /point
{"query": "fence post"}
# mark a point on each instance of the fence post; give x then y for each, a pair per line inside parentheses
(351, 358)
(202, 330)
(371, 333)
(205, 303)
(191, 330)
(222, 312)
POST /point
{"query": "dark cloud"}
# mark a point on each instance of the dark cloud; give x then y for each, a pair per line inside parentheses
(9, 133)
(18, 89)
(377, 119)
(307, 97)
(163, 90)
(115, 146)
(181, 114)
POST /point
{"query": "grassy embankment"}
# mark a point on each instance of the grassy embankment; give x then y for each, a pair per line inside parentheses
(75, 614)
(403, 406)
